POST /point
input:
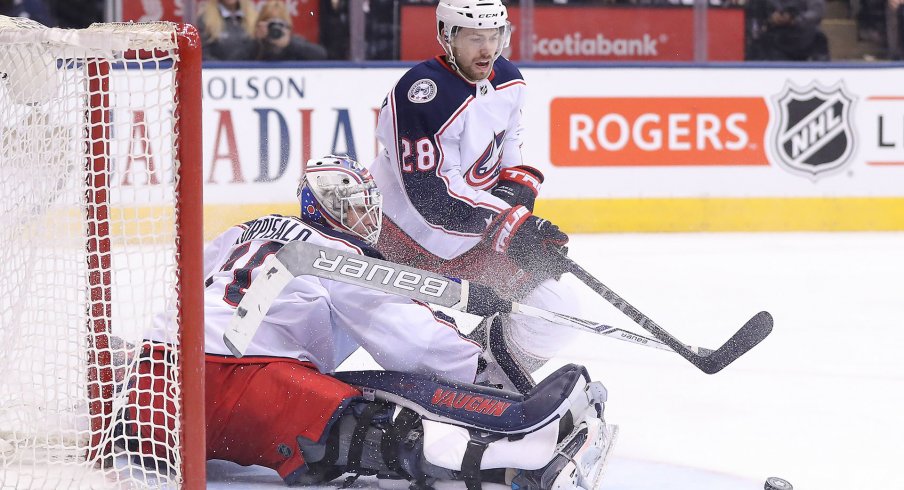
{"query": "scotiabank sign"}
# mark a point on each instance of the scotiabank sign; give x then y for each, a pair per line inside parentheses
(597, 33)
(647, 131)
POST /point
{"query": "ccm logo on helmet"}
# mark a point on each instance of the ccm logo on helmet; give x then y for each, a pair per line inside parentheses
(484, 16)
(358, 269)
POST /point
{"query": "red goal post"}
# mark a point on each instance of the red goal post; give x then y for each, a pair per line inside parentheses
(101, 255)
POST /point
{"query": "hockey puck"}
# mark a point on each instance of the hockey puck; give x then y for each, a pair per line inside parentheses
(776, 483)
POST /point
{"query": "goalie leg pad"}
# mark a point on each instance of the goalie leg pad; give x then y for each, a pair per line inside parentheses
(501, 364)
(474, 406)
(396, 437)
(579, 461)
(244, 425)
(446, 445)
(562, 412)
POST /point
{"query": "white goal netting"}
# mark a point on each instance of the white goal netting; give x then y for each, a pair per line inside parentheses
(88, 248)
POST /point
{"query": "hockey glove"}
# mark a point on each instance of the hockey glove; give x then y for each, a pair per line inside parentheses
(533, 243)
(483, 301)
(519, 185)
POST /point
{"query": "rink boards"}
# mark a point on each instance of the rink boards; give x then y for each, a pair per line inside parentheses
(624, 148)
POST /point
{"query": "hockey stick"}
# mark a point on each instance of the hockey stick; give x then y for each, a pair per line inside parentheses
(302, 258)
(597, 328)
(750, 334)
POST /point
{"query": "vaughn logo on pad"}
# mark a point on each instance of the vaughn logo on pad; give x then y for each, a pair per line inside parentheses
(812, 134)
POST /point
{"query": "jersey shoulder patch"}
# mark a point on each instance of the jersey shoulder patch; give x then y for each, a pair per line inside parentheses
(430, 94)
(422, 91)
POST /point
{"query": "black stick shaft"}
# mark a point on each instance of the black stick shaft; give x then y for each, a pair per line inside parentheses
(631, 312)
(747, 337)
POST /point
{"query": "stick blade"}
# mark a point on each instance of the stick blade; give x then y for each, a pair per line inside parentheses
(752, 333)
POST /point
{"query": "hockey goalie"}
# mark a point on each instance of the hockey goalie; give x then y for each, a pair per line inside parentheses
(435, 412)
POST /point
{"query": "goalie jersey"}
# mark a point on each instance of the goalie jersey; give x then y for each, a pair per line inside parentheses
(445, 140)
(320, 320)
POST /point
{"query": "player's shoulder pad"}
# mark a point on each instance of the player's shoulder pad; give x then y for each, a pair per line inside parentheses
(505, 72)
(366, 248)
(431, 87)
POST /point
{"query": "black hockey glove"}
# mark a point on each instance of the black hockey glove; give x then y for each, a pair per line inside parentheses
(519, 185)
(533, 243)
(483, 301)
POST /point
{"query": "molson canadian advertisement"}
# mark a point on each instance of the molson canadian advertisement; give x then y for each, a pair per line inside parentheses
(623, 149)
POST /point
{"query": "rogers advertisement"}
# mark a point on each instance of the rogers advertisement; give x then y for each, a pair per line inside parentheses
(598, 33)
(611, 131)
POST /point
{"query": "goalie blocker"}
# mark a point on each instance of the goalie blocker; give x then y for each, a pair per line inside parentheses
(395, 425)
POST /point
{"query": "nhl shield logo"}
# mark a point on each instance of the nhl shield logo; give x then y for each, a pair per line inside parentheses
(813, 134)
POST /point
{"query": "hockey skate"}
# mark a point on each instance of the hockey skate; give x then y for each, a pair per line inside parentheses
(580, 460)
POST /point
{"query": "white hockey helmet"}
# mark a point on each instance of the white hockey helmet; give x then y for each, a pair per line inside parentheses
(338, 192)
(452, 15)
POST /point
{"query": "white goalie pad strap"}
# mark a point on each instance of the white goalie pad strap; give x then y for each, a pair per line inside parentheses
(582, 402)
(445, 445)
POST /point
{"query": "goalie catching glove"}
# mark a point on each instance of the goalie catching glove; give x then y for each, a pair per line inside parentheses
(532, 242)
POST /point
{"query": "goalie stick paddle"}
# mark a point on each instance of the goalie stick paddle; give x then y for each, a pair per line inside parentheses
(747, 337)
(302, 258)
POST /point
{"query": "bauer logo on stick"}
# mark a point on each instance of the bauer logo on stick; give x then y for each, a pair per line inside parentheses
(361, 269)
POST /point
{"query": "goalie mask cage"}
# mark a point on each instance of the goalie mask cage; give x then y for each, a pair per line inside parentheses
(100, 254)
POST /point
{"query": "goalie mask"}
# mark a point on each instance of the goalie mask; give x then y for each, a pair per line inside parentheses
(338, 192)
(453, 15)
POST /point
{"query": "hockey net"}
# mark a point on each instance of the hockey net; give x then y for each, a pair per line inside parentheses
(99, 242)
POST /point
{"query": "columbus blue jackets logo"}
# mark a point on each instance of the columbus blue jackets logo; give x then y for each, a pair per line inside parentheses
(423, 90)
(812, 134)
(483, 172)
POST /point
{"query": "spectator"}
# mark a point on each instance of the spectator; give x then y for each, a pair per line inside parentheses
(275, 39)
(35, 10)
(77, 14)
(788, 30)
(227, 29)
(895, 23)
(381, 29)
(334, 29)
(872, 21)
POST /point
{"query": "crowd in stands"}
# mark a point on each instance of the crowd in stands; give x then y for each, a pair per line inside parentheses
(56, 13)
(244, 30)
(237, 30)
(786, 30)
(882, 21)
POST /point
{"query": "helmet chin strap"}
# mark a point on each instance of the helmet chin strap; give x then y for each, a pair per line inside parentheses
(450, 58)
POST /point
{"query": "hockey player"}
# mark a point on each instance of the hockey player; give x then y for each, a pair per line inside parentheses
(458, 198)
(283, 407)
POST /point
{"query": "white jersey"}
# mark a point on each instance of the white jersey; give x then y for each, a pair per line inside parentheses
(324, 321)
(445, 140)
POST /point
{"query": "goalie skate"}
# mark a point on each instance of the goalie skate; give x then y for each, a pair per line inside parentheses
(579, 463)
